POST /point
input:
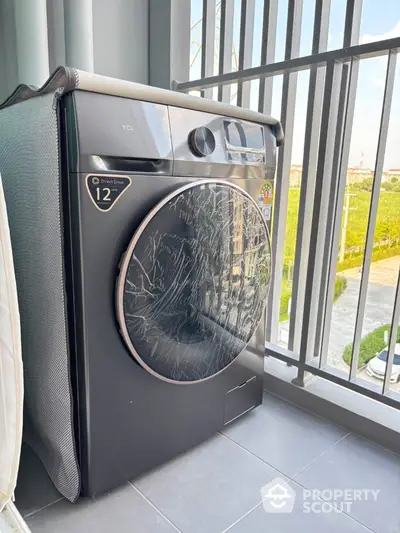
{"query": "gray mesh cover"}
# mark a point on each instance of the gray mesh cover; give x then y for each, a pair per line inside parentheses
(29, 163)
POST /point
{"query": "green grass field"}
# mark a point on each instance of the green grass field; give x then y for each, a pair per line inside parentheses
(387, 226)
(387, 233)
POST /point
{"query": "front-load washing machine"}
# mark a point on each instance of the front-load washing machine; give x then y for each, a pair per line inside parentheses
(166, 209)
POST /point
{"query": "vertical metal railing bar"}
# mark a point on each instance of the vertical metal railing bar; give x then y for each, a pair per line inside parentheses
(313, 122)
(226, 47)
(329, 232)
(320, 209)
(344, 160)
(392, 338)
(289, 89)
(207, 43)
(350, 38)
(293, 29)
(352, 22)
(268, 44)
(247, 15)
(373, 211)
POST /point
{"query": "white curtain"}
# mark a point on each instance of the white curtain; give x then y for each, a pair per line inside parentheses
(11, 377)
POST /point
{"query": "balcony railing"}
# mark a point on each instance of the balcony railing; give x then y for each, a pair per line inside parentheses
(332, 91)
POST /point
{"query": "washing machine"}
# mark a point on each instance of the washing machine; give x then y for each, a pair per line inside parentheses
(167, 213)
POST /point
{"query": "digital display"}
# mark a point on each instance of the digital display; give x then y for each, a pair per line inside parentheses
(239, 135)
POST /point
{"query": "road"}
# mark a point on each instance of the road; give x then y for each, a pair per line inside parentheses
(378, 311)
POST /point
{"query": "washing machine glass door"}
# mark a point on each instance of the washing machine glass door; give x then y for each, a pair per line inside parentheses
(194, 281)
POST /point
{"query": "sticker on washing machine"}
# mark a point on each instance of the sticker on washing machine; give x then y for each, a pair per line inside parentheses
(266, 211)
(105, 190)
(266, 194)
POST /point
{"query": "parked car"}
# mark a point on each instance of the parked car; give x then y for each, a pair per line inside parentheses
(377, 366)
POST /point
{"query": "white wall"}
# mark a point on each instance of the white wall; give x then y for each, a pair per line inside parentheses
(55, 33)
(128, 36)
(8, 55)
(121, 39)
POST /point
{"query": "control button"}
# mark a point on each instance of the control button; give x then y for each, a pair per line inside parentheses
(235, 156)
(202, 141)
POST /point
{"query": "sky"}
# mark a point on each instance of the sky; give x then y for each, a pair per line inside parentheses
(380, 20)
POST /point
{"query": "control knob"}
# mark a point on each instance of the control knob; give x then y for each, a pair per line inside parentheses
(202, 141)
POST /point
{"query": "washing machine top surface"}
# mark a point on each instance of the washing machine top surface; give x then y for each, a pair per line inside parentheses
(194, 281)
(65, 79)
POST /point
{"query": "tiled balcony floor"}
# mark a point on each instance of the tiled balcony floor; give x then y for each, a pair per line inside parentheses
(217, 486)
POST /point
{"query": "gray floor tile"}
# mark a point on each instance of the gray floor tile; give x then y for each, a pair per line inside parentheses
(283, 435)
(208, 488)
(34, 487)
(357, 464)
(123, 511)
(300, 519)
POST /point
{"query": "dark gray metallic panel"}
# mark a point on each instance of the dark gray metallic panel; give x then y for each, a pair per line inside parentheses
(119, 127)
(121, 396)
(153, 419)
(241, 399)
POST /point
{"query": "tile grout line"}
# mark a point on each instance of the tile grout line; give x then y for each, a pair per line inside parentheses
(42, 508)
(340, 511)
(349, 516)
(376, 444)
(302, 486)
(320, 455)
(155, 508)
(241, 518)
(305, 410)
(277, 469)
(350, 432)
(252, 454)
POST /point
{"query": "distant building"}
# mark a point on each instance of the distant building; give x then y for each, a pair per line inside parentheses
(358, 174)
(354, 175)
(295, 176)
(391, 173)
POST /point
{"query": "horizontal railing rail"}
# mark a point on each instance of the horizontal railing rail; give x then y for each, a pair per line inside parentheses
(297, 64)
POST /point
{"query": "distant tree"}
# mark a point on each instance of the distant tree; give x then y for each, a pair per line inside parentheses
(366, 185)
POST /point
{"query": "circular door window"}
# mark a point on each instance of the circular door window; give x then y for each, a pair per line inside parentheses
(194, 281)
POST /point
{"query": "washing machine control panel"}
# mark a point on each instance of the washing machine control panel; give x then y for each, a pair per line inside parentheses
(244, 142)
(205, 144)
(119, 135)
